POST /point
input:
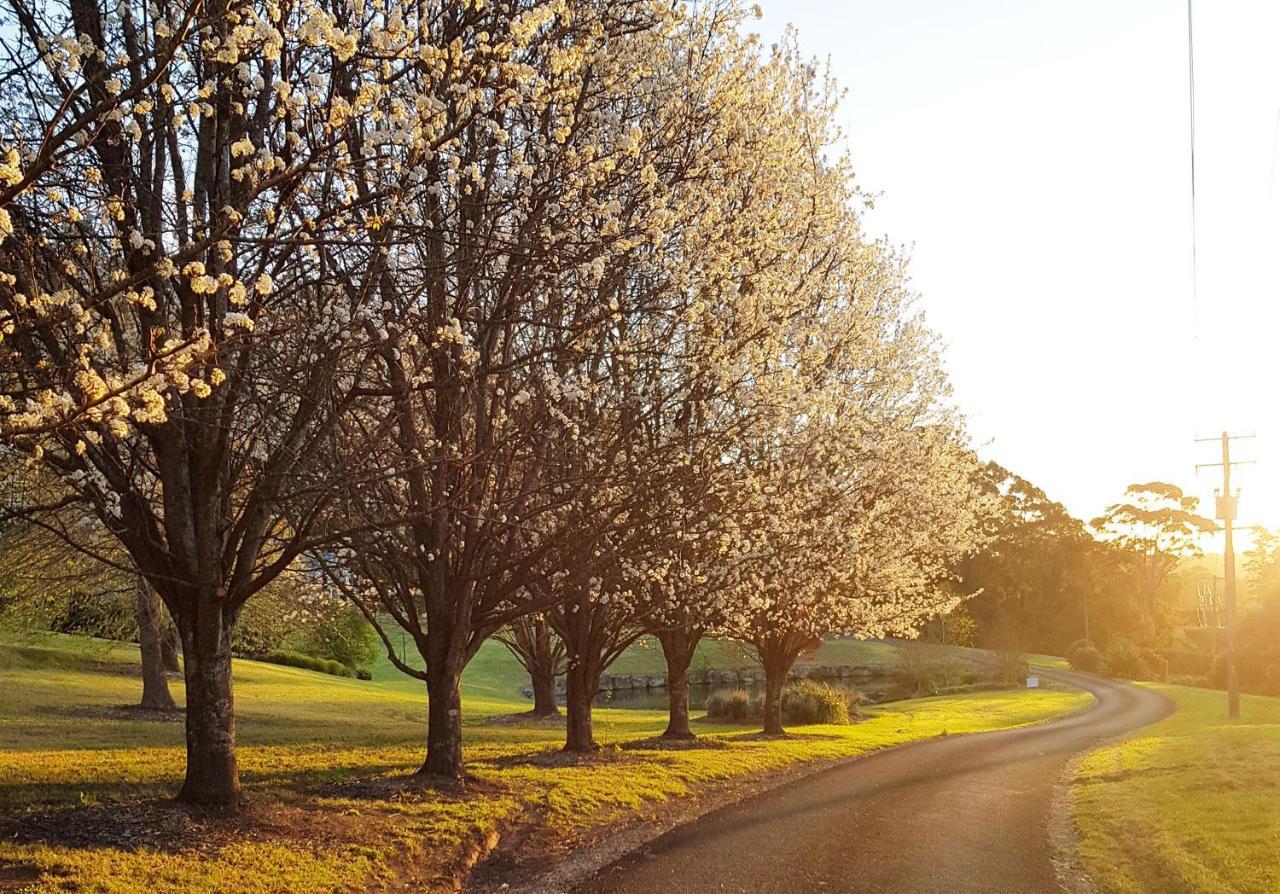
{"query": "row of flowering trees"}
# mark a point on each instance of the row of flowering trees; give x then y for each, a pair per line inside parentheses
(525, 316)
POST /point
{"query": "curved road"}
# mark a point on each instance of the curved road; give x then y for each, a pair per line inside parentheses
(956, 814)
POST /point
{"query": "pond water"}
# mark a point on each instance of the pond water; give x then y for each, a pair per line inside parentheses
(656, 699)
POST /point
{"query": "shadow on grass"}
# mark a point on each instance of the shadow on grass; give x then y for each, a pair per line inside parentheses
(154, 824)
(296, 815)
(526, 719)
(30, 798)
(658, 743)
(787, 735)
(124, 713)
(555, 758)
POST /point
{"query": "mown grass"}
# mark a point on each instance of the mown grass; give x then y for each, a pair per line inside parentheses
(493, 672)
(326, 765)
(1189, 804)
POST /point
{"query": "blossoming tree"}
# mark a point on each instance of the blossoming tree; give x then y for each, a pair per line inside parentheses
(175, 291)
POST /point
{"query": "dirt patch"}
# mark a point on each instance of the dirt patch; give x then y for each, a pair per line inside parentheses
(169, 827)
(158, 825)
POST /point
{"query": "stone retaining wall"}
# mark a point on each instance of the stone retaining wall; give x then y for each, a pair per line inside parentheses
(854, 674)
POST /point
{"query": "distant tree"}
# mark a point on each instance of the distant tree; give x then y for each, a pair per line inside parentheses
(1033, 579)
(48, 584)
(150, 615)
(1258, 636)
(1262, 565)
(1159, 526)
(541, 653)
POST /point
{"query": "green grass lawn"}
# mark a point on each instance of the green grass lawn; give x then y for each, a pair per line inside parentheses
(326, 763)
(1189, 804)
(494, 673)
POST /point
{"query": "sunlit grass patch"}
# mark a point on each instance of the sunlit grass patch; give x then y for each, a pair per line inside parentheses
(327, 763)
(1191, 803)
(243, 868)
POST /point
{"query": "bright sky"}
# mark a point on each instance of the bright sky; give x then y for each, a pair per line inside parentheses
(1033, 155)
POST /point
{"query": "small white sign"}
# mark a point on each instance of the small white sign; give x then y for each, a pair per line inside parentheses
(1033, 682)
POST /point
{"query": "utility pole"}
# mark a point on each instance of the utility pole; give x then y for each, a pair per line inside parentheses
(1227, 503)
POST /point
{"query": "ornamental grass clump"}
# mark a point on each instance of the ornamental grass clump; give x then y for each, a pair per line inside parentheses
(732, 704)
(809, 702)
(802, 702)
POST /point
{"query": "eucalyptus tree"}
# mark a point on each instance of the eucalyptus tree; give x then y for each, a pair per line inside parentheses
(1159, 526)
(182, 236)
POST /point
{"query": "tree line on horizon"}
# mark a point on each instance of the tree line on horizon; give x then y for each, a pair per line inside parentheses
(1130, 592)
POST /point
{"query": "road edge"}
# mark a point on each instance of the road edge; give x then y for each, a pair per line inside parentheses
(1064, 838)
(594, 854)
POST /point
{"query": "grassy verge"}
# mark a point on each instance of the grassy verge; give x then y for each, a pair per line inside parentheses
(326, 764)
(1190, 804)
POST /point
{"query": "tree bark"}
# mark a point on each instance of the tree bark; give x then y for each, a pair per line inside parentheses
(169, 645)
(678, 647)
(151, 630)
(444, 723)
(213, 777)
(774, 678)
(582, 683)
(543, 679)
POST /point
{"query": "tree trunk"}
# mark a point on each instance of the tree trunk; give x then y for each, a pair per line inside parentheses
(775, 677)
(169, 644)
(544, 690)
(213, 778)
(444, 723)
(582, 682)
(150, 615)
(678, 647)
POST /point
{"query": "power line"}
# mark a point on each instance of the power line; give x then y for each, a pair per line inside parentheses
(1191, 89)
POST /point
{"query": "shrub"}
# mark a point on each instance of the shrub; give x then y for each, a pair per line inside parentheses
(1012, 667)
(1253, 672)
(802, 702)
(732, 704)
(363, 674)
(921, 676)
(343, 636)
(809, 702)
(1124, 658)
(1156, 663)
(1258, 649)
(1185, 662)
(308, 662)
(1084, 656)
